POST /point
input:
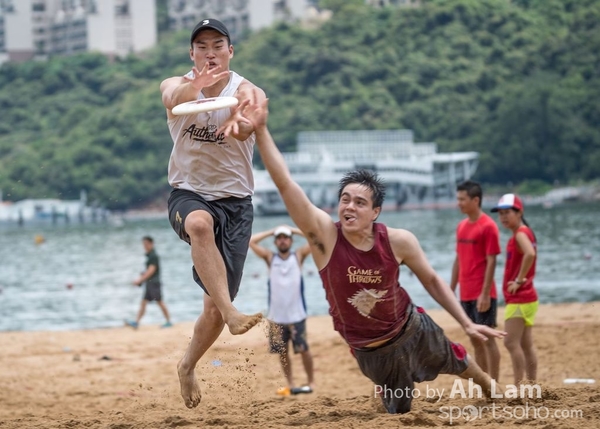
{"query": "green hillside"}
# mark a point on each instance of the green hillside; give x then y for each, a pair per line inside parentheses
(517, 81)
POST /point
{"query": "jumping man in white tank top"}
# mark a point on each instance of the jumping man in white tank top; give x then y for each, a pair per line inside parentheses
(287, 308)
(210, 206)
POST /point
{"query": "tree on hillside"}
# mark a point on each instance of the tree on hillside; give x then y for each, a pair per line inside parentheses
(517, 81)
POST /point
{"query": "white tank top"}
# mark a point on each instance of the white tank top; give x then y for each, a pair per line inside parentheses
(286, 290)
(211, 165)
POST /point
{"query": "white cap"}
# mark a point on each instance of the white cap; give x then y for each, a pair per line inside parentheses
(282, 230)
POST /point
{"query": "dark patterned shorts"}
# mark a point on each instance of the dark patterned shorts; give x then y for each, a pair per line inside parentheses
(280, 334)
(232, 219)
(419, 353)
(153, 292)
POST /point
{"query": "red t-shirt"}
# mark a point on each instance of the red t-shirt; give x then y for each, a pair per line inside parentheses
(365, 298)
(514, 257)
(474, 242)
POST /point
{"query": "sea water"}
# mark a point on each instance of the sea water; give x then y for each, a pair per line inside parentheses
(61, 277)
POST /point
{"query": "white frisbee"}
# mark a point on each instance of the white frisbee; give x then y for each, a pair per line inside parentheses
(204, 105)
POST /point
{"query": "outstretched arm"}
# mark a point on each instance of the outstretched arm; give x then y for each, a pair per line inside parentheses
(308, 217)
(406, 247)
(316, 225)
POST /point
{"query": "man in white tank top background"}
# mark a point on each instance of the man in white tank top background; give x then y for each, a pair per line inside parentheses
(210, 206)
(287, 307)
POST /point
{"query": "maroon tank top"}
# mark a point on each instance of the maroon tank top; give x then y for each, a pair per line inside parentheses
(365, 298)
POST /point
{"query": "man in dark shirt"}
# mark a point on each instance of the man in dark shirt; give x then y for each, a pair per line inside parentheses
(151, 277)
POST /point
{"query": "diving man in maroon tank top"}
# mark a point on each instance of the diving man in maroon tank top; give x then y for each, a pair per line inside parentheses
(395, 342)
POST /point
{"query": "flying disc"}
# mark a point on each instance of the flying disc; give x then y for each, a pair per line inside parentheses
(204, 105)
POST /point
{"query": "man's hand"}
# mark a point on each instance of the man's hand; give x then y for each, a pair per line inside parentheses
(231, 127)
(482, 332)
(179, 89)
(256, 112)
(205, 77)
(484, 302)
(249, 111)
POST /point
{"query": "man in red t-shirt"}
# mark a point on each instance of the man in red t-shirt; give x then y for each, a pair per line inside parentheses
(477, 244)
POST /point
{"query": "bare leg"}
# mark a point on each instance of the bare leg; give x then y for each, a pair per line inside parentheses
(529, 352)
(207, 329)
(286, 365)
(211, 269)
(165, 312)
(478, 376)
(141, 311)
(514, 328)
(493, 358)
(307, 361)
(480, 354)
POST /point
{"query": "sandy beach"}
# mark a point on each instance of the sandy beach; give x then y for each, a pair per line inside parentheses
(121, 378)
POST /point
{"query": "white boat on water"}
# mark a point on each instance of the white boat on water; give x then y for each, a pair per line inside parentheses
(50, 210)
(416, 175)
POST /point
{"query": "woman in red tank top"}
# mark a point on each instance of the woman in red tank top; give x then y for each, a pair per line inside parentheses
(519, 292)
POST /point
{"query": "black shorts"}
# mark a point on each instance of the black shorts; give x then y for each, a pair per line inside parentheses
(487, 318)
(420, 352)
(153, 292)
(280, 334)
(232, 219)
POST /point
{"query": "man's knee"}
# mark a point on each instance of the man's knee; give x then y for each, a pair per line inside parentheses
(306, 354)
(511, 343)
(300, 348)
(199, 224)
(211, 312)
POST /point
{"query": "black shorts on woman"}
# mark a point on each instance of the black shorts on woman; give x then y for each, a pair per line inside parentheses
(232, 218)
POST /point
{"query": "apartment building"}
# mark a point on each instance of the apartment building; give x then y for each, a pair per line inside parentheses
(42, 28)
(239, 16)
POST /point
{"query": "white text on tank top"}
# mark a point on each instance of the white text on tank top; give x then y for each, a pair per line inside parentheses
(211, 165)
(286, 303)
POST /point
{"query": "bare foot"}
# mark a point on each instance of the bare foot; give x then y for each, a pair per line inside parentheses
(190, 391)
(239, 323)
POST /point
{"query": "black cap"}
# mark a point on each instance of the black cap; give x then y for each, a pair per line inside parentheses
(211, 24)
